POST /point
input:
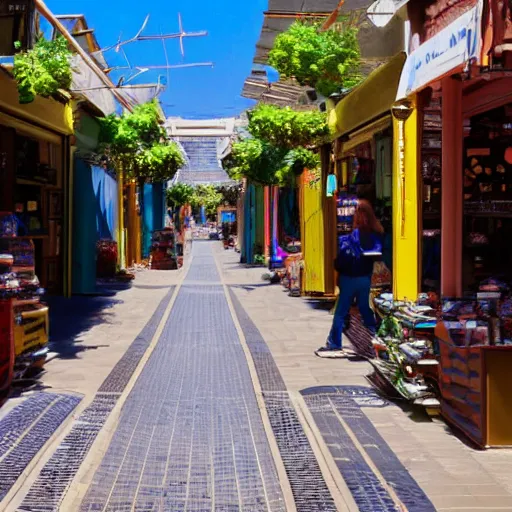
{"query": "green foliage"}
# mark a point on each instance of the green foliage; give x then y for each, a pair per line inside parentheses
(137, 141)
(259, 259)
(256, 160)
(326, 60)
(294, 164)
(179, 195)
(207, 196)
(230, 194)
(159, 162)
(144, 122)
(288, 128)
(43, 70)
(264, 163)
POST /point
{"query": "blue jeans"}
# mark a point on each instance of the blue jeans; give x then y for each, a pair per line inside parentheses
(350, 287)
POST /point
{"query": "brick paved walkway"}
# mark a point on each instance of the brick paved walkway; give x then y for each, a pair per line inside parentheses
(229, 411)
(190, 435)
(453, 475)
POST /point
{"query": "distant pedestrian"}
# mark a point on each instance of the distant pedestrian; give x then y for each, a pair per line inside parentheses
(357, 253)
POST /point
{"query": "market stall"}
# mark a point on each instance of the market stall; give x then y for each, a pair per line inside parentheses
(23, 318)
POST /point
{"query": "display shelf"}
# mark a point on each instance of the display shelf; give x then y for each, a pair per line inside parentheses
(502, 215)
(32, 183)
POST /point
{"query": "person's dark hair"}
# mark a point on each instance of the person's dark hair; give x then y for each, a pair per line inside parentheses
(365, 219)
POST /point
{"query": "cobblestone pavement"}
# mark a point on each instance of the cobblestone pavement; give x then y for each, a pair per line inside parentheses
(400, 445)
(218, 404)
(190, 436)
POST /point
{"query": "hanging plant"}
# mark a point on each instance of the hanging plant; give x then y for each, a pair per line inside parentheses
(158, 163)
(266, 164)
(288, 128)
(256, 160)
(326, 60)
(294, 163)
(42, 70)
(137, 141)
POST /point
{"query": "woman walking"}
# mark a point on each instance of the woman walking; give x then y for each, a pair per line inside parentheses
(357, 253)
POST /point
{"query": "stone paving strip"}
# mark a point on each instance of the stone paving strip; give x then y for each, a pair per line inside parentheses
(308, 485)
(49, 489)
(190, 434)
(26, 429)
(327, 406)
(373, 473)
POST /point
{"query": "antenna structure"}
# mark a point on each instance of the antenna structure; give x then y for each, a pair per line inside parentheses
(137, 70)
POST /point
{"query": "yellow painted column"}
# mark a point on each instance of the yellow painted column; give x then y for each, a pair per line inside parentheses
(406, 203)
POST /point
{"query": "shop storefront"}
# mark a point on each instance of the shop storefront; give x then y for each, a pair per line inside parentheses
(451, 222)
(363, 150)
(34, 143)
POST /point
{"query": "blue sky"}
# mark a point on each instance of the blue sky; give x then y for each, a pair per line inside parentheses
(233, 25)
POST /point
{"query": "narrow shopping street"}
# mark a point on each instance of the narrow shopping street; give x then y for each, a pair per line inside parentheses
(219, 404)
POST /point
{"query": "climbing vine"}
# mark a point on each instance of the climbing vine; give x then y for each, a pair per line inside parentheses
(42, 70)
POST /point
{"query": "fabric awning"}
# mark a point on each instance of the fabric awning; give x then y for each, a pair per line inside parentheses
(372, 99)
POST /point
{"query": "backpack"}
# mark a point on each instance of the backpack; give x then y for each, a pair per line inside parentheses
(349, 253)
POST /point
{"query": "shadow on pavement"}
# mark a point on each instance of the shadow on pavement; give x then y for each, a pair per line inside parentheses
(71, 318)
(320, 305)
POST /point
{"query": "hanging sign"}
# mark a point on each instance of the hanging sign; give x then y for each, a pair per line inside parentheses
(455, 45)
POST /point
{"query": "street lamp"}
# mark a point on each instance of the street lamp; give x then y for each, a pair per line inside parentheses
(401, 111)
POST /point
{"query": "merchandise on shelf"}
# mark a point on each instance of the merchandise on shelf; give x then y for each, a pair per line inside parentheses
(24, 322)
(345, 210)
(107, 254)
(8, 225)
(164, 250)
(404, 349)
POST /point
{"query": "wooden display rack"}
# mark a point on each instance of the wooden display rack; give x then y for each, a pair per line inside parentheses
(475, 390)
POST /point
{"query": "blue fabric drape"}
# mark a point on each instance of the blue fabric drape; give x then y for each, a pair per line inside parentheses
(105, 190)
(153, 213)
(95, 217)
(249, 224)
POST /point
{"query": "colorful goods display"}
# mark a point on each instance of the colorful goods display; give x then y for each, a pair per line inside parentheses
(403, 348)
(345, 210)
(164, 253)
(452, 356)
(106, 262)
(23, 318)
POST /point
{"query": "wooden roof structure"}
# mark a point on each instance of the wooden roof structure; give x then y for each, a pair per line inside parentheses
(280, 15)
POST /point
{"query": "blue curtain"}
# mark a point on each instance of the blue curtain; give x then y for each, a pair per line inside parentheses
(153, 213)
(95, 217)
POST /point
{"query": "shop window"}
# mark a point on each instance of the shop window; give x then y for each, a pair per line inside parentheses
(487, 178)
(16, 24)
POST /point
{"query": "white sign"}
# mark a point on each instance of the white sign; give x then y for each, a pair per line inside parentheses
(455, 45)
